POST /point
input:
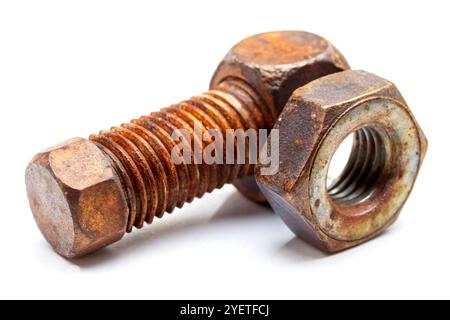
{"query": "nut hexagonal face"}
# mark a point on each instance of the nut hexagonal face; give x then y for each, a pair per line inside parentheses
(275, 64)
(388, 149)
(76, 198)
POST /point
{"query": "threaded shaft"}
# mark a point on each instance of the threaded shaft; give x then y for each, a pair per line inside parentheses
(141, 151)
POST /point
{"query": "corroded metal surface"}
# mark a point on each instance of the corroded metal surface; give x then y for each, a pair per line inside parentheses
(86, 194)
(387, 153)
(76, 197)
(274, 64)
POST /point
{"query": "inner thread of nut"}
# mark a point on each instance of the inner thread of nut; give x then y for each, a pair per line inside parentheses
(358, 180)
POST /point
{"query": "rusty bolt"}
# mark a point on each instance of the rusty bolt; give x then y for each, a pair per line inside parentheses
(86, 194)
(388, 150)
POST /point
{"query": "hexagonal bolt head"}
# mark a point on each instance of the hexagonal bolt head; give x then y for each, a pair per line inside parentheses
(388, 150)
(76, 198)
(275, 64)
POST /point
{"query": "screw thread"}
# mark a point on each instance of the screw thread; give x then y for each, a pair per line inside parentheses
(141, 151)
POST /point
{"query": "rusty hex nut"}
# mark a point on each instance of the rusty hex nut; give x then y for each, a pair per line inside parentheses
(275, 64)
(388, 150)
(76, 197)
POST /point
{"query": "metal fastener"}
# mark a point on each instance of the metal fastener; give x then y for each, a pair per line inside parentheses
(86, 194)
(388, 150)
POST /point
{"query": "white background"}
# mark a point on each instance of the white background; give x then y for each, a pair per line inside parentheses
(69, 69)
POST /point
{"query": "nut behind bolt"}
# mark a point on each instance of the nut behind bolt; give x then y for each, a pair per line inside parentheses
(86, 194)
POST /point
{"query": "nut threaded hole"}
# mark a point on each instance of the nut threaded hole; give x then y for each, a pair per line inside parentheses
(365, 162)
